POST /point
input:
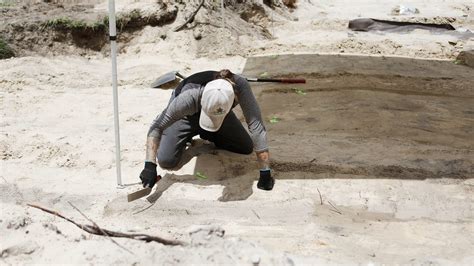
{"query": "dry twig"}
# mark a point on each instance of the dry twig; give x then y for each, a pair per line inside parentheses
(320, 197)
(191, 18)
(335, 209)
(93, 229)
(144, 209)
(254, 212)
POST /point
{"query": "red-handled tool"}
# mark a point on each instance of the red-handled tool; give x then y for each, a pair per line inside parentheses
(174, 75)
(280, 80)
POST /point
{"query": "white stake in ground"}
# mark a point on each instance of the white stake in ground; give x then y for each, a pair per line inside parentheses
(222, 13)
(113, 55)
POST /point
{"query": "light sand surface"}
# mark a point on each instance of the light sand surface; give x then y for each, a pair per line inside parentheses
(373, 162)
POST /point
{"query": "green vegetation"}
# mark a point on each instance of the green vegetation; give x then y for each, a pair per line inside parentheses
(299, 91)
(122, 21)
(128, 19)
(274, 120)
(133, 15)
(200, 175)
(5, 50)
(6, 3)
(65, 23)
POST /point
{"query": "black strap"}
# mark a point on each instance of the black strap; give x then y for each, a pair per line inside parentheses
(199, 78)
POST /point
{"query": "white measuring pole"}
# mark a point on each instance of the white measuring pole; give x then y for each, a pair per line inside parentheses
(226, 49)
(222, 13)
(113, 55)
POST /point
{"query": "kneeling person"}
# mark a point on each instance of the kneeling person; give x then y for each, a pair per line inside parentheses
(202, 105)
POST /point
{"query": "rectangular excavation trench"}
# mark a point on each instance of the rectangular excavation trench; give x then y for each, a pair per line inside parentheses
(368, 117)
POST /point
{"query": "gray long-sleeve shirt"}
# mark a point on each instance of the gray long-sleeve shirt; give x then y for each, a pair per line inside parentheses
(188, 102)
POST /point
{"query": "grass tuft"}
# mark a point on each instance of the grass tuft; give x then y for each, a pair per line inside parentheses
(65, 23)
(127, 19)
(6, 3)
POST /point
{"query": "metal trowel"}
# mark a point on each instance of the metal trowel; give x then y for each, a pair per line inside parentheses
(138, 194)
(166, 78)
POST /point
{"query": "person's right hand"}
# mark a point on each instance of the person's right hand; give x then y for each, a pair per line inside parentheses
(266, 181)
(148, 175)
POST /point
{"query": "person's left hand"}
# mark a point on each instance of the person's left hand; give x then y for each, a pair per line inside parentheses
(266, 181)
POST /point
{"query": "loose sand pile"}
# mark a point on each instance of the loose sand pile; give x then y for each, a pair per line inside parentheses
(371, 167)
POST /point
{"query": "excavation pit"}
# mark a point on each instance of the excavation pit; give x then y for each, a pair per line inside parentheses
(368, 116)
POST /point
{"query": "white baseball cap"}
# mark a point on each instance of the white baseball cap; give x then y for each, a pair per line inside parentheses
(216, 101)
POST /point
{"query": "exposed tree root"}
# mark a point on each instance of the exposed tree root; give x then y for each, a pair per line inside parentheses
(96, 230)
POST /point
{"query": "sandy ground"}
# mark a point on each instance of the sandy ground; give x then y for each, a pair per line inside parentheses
(373, 158)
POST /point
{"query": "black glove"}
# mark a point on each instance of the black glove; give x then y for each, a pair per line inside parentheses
(266, 180)
(149, 176)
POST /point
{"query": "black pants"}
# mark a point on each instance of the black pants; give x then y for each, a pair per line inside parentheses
(232, 136)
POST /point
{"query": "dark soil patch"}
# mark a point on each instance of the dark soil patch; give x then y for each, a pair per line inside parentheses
(52, 28)
(5, 50)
